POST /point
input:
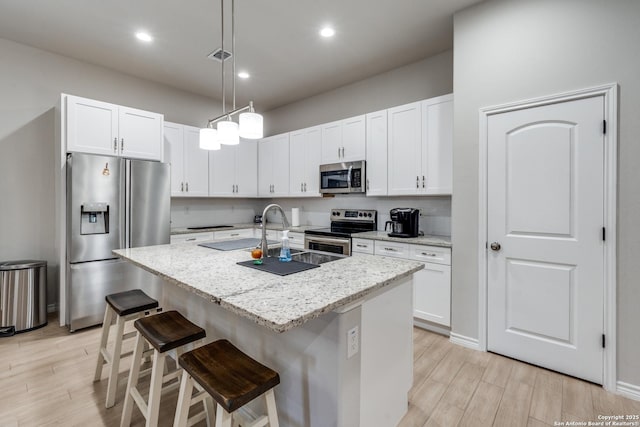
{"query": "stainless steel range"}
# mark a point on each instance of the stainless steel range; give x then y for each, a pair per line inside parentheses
(344, 222)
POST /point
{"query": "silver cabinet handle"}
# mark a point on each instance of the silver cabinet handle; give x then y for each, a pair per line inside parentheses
(428, 254)
(187, 186)
(234, 234)
(391, 249)
(495, 246)
(301, 187)
(338, 152)
(191, 239)
(343, 152)
(368, 187)
(363, 246)
(182, 186)
(233, 188)
(115, 145)
(305, 187)
(121, 145)
(417, 181)
(422, 181)
(237, 188)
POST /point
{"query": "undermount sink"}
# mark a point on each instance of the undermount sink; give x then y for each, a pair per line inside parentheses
(316, 257)
(275, 251)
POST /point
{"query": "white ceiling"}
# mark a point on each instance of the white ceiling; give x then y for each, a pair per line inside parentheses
(277, 41)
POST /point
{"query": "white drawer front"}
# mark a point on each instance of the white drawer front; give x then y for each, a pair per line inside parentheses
(433, 254)
(364, 246)
(296, 240)
(392, 249)
(192, 237)
(228, 234)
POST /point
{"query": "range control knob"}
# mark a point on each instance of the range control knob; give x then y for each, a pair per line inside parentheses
(359, 213)
(369, 214)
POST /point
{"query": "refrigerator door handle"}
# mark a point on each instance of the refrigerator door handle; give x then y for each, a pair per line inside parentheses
(126, 194)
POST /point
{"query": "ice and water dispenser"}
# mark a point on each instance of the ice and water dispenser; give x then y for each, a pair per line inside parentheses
(94, 218)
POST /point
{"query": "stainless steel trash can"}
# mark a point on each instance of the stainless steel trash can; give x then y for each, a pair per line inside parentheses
(23, 296)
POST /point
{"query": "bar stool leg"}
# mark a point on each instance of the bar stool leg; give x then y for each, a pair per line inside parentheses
(134, 375)
(155, 390)
(223, 418)
(184, 401)
(209, 409)
(106, 326)
(271, 408)
(115, 363)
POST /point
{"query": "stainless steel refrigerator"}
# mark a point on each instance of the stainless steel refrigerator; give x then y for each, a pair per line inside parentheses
(112, 203)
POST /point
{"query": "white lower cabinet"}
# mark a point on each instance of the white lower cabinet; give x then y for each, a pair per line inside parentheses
(431, 285)
(361, 246)
(192, 237)
(233, 234)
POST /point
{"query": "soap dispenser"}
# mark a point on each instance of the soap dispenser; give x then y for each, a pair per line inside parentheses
(285, 250)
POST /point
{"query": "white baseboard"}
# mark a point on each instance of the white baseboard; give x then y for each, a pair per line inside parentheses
(52, 308)
(631, 391)
(442, 330)
(458, 339)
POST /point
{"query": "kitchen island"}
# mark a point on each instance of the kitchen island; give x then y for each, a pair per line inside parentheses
(339, 335)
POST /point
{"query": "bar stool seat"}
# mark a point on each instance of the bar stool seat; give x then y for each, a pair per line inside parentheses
(164, 332)
(125, 306)
(231, 377)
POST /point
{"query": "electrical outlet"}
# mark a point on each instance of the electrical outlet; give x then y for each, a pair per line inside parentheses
(353, 342)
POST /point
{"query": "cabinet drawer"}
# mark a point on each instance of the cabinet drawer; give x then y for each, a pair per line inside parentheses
(432, 254)
(392, 249)
(228, 234)
(364, 246)
(296, 240)
(192, 237)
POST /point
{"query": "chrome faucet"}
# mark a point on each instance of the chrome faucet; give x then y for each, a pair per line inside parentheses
(285, 226)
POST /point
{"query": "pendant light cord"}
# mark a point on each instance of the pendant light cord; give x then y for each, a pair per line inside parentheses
(233, 48)
(222, 54)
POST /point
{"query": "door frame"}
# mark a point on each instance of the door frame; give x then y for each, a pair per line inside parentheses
(610, 93)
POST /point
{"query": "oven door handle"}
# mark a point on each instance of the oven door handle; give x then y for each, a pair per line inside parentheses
(327, 239)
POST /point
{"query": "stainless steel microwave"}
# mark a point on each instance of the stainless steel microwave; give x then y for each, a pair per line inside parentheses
(343, 178)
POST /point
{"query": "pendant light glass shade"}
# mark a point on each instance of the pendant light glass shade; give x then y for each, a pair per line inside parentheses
(251, 125)
(228, 133)
(209, 139)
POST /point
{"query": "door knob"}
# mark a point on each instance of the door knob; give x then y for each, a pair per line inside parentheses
(495, 246)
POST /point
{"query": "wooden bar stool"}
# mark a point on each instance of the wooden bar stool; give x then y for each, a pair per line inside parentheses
(232, 378)
(164, 332)
(126, 306)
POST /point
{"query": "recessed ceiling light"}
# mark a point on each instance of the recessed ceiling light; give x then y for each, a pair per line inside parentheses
(243, 75)
(327, 32)
(143, 36)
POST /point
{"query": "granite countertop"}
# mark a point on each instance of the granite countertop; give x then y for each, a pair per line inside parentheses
(442, 241)
(277, 302)
(270, 226)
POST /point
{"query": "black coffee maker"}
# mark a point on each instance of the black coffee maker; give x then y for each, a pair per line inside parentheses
(404, 222)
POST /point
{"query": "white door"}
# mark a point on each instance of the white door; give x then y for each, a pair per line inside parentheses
(196, 164)
(545, 211)
(353, 139)
(140, 133)
(297, 170)
(404, 149)
(247, 168)
(437, 145)
(377, 153)
(222, 171)
(265, 166)
(92, 126)
(280, 177)
(173, 138)
(313, 151)
(332, 142)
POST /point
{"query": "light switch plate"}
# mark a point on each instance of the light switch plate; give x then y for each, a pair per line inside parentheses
(353, 341)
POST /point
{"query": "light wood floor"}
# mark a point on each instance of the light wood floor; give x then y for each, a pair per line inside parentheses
(46, 378)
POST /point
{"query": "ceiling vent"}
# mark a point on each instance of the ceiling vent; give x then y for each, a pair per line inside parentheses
(217, 55)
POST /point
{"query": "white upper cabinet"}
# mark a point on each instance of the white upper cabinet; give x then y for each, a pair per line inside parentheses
(437, 144)
(273, 166)
(101, 128)
(377, 153)
(233, 170)
(344, 140)
(419, 147)
(189, 164)
(304, 162)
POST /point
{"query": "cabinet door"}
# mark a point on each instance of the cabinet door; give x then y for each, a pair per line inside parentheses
(91, 126)
(313, 151)
(140, 133)
(196, 164)
(437, 145)
(332, 142)
(297, 164)
(280, 168)
(222, 171)
(377, 153)
(353, 139)
(173, 138)
(432, 294)
(247, 168)
(404, 149)
(265, 166)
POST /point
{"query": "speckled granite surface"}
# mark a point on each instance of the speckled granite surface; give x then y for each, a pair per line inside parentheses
(270, 226)
(276, 302)
(442, 241)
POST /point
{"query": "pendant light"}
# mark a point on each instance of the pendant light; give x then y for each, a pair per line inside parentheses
(229, 132)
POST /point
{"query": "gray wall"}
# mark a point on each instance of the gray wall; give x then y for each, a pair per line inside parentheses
(420, 80)
(513, 50)
(31, 81)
